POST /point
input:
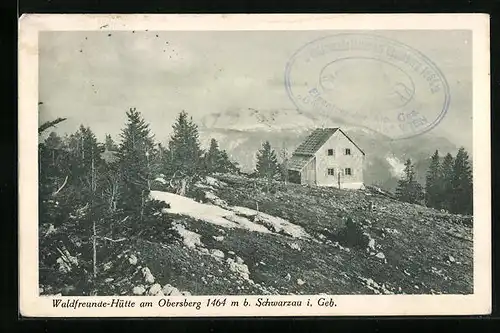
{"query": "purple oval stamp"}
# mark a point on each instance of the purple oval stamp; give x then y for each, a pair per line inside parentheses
(368, 80)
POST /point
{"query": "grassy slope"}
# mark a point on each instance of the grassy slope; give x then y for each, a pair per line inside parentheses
(417, 254)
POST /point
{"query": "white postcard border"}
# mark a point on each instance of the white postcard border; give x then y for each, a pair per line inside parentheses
(33, 305)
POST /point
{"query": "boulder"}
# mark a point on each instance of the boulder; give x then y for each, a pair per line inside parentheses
(139, 290)
(176, 292)
(169, 290)
(155, 290)
(132, 260)
(217, 253)
(148, 277)
(219, 238)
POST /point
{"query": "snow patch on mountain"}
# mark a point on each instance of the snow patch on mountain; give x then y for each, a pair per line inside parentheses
(228, 218)
(279, 225)
(185, 206)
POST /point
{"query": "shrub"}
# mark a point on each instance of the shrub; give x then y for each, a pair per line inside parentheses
(197, 194)
(352, 235)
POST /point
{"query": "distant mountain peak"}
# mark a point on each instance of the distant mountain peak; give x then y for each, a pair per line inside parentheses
(251, 119)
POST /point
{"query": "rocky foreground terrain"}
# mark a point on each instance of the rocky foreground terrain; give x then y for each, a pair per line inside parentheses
(238, 236)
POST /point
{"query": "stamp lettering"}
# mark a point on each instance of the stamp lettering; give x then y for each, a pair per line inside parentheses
(361, 75)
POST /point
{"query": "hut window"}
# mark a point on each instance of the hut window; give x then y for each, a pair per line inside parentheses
(331, 171)
(330, 152)
(348, 172)
(347, 151)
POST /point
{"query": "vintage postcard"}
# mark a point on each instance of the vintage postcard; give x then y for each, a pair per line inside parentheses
(254, 165)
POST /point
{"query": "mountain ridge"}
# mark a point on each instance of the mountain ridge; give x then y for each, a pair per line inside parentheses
(241, 132)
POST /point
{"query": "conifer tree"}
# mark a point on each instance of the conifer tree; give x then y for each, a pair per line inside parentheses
(53, 141)
(212, 157)
(433, 183)
(84, 146)
(68, 170)
(51, 156)
(52, 173)
(409, 190)
(184, 152)
(446, 181)
(461, 184)
(83, 150)
(225, 163)
(267, 163)
(109, 144)
(217, 160)
(135, 151)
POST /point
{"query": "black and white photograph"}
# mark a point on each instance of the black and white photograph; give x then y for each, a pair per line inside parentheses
(255, 162)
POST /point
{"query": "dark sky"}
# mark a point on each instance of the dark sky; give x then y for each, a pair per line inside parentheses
(93, 77)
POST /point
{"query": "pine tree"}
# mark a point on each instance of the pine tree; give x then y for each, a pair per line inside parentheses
(69, 177)
(52, 154)
(225, 163)
(409, 190)
(184, 152)
(52, 174)
(212, 157)
(217, 160)
(109, 144)
(446, 182)
(461, 184)
(53, 141)
(134, 154)
(83, 149)
(433, 183)
(267, 163)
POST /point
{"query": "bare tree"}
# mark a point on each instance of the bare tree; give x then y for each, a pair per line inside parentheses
(284, 156)
(94, 234)
(180, 182)
(111, 190)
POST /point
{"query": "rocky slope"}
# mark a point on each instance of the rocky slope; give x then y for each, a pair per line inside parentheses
(238, 238)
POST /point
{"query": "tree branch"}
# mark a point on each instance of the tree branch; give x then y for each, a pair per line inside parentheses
(113, 240)
(125, 219)
(60, 188)
(49, 124)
